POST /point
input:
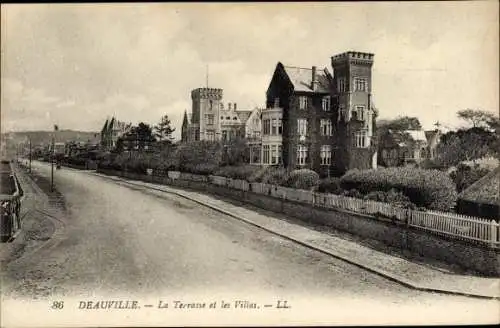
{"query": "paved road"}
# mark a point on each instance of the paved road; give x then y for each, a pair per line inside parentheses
(125, 241)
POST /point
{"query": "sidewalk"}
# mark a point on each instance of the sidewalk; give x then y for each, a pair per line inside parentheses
(408, 273)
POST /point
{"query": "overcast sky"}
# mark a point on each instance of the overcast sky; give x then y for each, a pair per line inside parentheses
(74, 65)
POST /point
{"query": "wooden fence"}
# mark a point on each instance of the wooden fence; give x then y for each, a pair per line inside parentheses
(451, 224)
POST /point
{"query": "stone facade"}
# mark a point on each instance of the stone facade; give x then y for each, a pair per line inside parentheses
(327, 119)
(211, 120)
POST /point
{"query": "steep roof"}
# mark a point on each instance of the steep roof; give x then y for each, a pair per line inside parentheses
(243, 115)
(301, 79)
(417, 135)
(485, 190)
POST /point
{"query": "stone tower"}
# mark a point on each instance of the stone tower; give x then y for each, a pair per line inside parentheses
(206, 104)
(352, 90)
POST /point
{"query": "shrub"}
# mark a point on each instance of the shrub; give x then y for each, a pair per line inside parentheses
(258, 174)
(302, 179)
(330, 185)
(393, 197)
(352, 193)
(202, 169)
(275, 176)
(198, 156)
(425, 188)
(465, 175)
(242, 172)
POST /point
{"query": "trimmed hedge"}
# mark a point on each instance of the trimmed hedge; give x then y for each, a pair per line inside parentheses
(275, 176)
(242, 172)
(431, 189)
(393, 197)
(302, 179)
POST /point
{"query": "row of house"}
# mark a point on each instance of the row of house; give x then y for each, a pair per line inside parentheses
(313, 118)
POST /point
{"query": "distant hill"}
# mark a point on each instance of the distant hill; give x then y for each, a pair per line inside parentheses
(45, 137)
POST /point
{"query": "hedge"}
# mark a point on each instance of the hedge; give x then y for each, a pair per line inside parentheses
(241, 172)
(393, 197)
(330, 185)
(302, 179)
(431, 189)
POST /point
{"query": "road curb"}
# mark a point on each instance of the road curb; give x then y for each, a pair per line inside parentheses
(388, 275)
(58, 224)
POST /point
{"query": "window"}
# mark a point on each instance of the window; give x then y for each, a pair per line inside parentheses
(359, 113)
(266, 127)
(326, 127)
(276, 102)
(326, 103)
(274, 126)
(224, 135)
(360, 139)
(280, 154)
(209, 119)
(342, 112)
(265, 157)
(210, 135)
(274, 154)
(326, 155)
(301, 155)
(235, 118)
(222, 106)
(303, 102)
(302, 126)
(341, 84)
(228, 118)
(360, 84)
(280, 126)
(211, 105)
(384, 153)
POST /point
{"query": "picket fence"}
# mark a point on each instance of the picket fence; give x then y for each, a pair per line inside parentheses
(459, 226)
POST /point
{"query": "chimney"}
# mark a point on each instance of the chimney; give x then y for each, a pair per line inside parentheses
(314, 80)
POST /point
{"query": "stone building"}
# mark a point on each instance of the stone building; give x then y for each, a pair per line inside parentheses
(321, 120)
(398, 148)
(211, 120)
(111, 131)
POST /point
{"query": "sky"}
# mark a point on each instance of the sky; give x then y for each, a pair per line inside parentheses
(76, 64)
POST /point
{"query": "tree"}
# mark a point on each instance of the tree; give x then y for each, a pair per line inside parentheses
(139, 136)
(465, 145)
(401, 123)
(479, 118)
(163, 130)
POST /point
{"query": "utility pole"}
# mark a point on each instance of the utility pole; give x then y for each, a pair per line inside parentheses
(30, 155)
(52, 165)
(52, 160)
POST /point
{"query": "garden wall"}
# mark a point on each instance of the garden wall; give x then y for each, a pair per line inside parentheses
(476, 257)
